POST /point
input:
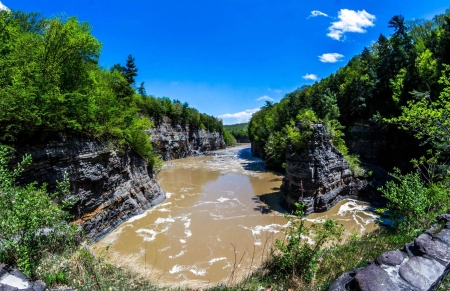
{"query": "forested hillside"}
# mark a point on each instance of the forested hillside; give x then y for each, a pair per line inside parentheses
(239, 131)
(406, 73)
(50, 81)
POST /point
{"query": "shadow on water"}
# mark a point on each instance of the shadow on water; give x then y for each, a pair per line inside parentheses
(269, 202)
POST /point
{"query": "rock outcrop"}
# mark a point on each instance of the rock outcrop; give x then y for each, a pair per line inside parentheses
(14, 280)
(318, 175)
(174, 142)
(110, 185)
(419, 265)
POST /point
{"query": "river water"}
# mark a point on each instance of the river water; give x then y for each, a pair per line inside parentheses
(218, 222)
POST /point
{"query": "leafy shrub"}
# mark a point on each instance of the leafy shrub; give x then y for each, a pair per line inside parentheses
(298, 256)
(229, 139)
(30, 222)
(412, 202)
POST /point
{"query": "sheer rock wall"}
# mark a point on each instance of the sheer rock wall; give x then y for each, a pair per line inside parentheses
(110, 185)
(318, 175)
(175, 142)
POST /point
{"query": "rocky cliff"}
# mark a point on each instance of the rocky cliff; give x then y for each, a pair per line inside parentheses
(110, 185)
(318, 175)
(419, 265)
(174, 142)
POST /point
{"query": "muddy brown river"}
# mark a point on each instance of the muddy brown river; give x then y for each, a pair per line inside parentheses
(218, 222)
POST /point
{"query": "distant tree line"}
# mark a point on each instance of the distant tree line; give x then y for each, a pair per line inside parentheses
(239, 131)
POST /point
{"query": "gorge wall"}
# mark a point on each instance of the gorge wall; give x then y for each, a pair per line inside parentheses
(110, 185)
(319, 175)
(175, 142)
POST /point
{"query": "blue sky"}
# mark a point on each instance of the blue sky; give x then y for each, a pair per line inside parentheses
(226, 57)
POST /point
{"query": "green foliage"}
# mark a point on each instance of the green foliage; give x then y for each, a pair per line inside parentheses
(298, 256)
(30, 223)
(239, 131)
(229, 139)
(50, 81)
(412, 202)
(426, 117)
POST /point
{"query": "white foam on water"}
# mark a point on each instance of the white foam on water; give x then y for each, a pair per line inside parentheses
(145, 232)
(216, 260)
(160, 220)
(353, 208)
(164, 210)
(257, 242)
(235, 199)
(227, 266)
(188, 233)
(273, 228)
(198, 272)
(168, 195)
(164, 249)
(140, 216)
(176, 269)
(137, 217)
(193, 269)
(222, 199)
(179, 255)
(220, 217)
(182, 241)
(187, 221)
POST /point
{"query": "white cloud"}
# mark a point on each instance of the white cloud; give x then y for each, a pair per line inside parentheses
(316, 13)
(240, 117)
(275, 90)
(265, 97)
(330, 58)
(310, 77)
(350, 21)
(3, 7)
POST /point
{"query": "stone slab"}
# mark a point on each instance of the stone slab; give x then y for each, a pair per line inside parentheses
(392, 258)
(374, 278)
(421, 273)
(434, 249)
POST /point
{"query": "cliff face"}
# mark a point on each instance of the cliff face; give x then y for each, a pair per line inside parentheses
(174, 142)
(317, 175)
(110, 185)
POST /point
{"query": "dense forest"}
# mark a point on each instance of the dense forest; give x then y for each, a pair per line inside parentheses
(50, 81)
(398, 80)
(239, 131)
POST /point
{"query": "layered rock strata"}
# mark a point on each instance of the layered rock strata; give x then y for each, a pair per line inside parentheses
(109, 185)
(174, 142)
(317, 175)
(419, 265)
